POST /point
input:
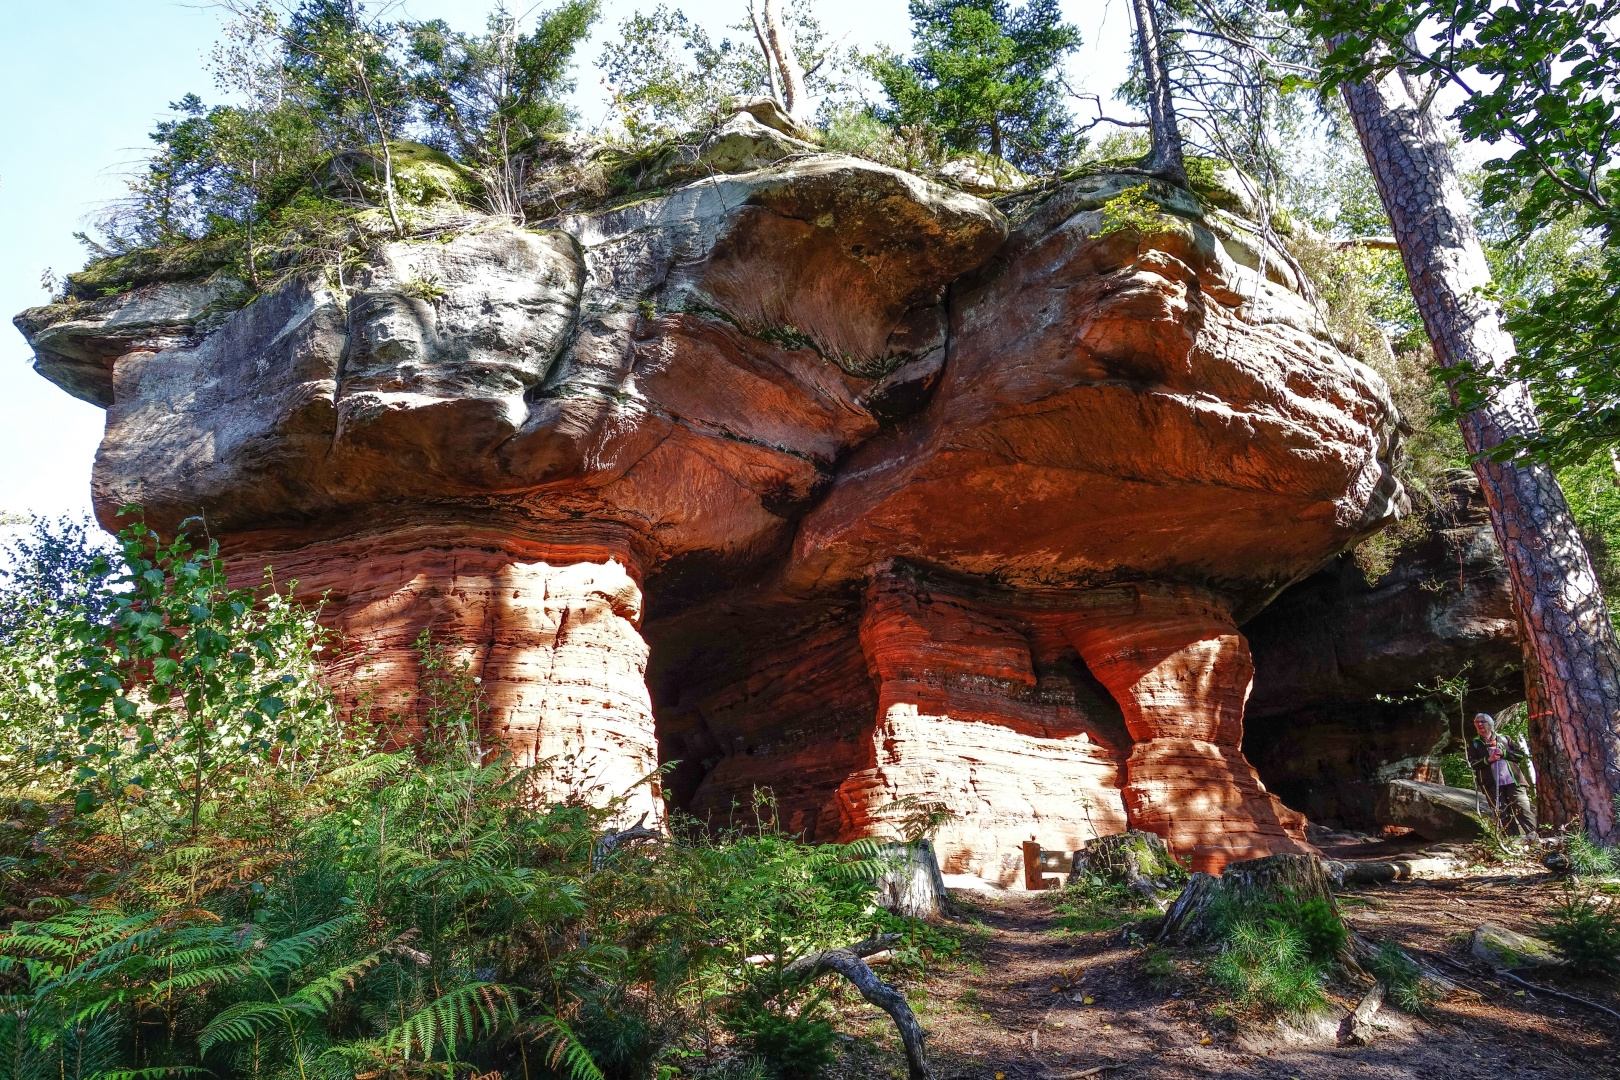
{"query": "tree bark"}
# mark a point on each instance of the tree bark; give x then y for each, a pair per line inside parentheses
(765, 52)
(1558, 800)
(1166, 159)
(912, 885)
(1557, 594)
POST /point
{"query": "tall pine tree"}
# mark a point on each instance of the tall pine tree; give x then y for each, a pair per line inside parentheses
(985, 78)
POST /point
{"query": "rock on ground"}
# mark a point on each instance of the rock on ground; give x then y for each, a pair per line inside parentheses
(1433, 811)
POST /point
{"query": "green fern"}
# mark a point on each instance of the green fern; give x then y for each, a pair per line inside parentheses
(456, 1015)
(564, 1053)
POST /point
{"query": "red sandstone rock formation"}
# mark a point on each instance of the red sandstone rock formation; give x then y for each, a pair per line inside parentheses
(1338, 708)
(817, 478)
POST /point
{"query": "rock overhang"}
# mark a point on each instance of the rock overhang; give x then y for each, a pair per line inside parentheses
(784, 384)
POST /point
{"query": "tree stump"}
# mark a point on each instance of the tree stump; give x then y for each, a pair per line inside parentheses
(1192, 919)
(1135, 858)
(912, 885)
(1254, 882)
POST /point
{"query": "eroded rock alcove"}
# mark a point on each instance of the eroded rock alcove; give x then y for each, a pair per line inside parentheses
(815, 478)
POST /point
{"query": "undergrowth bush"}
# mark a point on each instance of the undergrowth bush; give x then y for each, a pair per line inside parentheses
(1093, 904)
(1585, 931)
(221, 877)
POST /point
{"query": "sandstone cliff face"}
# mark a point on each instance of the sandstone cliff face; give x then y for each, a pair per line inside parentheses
(816, 478)
(1339, 708)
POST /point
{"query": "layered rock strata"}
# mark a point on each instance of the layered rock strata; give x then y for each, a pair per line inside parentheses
(816, 478)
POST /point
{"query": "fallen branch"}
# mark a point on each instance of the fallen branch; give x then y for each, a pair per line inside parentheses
(871, 947)
(848, 963)
(1559, 994)
(1083, 1073)
(609, 841)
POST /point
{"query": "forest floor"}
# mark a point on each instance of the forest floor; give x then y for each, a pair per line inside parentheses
(1027, 999)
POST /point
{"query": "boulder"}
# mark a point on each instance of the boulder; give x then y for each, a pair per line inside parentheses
(983, 175)
(1433, 811)
(1506, 950)
(743, 143)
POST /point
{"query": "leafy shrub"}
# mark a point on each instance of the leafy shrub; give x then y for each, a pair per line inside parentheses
(1132, 210)
(291, 901)
(1401, 977)
(1585, 932)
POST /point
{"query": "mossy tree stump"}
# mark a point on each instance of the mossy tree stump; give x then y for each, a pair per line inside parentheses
(1134, 858)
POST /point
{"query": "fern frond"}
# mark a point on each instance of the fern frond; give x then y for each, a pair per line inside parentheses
(152, 1073)
(289, 953)
(323, 991)
(564, 1053)
(452, 1016)
(246, 1019)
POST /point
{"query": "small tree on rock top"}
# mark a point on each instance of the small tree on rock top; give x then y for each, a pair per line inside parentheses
(985, 78)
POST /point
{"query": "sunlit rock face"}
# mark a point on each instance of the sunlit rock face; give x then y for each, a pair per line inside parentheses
(817, 480)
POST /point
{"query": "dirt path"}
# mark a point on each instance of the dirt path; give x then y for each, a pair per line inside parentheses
(1031, 1000)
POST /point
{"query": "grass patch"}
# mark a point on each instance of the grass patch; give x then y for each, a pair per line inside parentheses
(1401, 977)
(1091, 904)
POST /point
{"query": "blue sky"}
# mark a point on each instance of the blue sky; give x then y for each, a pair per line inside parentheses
(83, 81)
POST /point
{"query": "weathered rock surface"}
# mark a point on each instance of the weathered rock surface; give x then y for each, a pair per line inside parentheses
(1340, 705)
(815, 478)
(1506, 950)
(1433, 811)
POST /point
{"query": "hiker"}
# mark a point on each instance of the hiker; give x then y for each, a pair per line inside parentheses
(1497, 762)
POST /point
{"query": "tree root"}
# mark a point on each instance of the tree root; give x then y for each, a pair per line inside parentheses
(1559, 994)
(848, 963)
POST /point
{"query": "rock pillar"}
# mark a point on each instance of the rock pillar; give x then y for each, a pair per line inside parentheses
(964, 721)
(550, 630)
(1181, 673)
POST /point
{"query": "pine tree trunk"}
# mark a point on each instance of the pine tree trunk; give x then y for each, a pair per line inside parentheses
(1166, 160)
(1557, 594)
(1558, 801)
